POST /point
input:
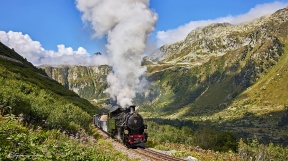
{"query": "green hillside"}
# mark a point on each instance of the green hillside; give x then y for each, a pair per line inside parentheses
(29, 91)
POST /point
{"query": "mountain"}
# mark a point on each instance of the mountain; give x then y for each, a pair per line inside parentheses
(27, 91)
(235, 56)
(87, 81)
(231, 75)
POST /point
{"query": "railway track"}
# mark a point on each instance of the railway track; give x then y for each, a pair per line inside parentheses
(147, 152)
(157, 156)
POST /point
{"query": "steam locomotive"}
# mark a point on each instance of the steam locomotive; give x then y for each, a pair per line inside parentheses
(123, 124)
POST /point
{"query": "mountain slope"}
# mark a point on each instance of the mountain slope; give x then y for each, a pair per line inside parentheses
(225, 74)
(236, 70)
(29, 91)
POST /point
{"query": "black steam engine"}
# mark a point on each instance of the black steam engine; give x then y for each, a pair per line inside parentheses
(125, 125)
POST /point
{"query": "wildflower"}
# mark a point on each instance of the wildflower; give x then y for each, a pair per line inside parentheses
(21, 117)
(77, 135)
(71, 136)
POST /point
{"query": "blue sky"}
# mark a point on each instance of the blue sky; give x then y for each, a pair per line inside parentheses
(50, 22)
(173, 13)
(58, 22)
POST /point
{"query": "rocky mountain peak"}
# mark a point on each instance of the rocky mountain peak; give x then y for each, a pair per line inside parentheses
(219, 38)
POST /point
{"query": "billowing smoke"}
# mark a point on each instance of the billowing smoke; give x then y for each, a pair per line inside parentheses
(126, 23)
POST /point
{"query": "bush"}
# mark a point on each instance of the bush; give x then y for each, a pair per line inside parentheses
(253, 149)
(206, 138)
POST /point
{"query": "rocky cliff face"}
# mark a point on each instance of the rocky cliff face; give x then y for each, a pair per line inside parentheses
(88, 82)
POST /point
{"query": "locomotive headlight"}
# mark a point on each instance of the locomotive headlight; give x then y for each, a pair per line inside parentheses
(126, 132)
(145, 130)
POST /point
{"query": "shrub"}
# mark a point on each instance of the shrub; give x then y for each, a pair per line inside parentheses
(253, 149)
(206, 137)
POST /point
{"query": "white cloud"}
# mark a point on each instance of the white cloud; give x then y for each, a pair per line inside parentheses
(174, 35)
(37, 55)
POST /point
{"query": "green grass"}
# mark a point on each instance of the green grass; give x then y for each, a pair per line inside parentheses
(19, 142)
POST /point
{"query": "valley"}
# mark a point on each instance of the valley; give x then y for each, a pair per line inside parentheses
(224, 87)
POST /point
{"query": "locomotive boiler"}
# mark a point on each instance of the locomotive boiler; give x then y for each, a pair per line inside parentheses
(123, 124)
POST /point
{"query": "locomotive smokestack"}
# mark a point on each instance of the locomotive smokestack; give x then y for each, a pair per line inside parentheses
(132, 109)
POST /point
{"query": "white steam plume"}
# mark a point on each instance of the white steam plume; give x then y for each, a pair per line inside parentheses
(126, 23)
